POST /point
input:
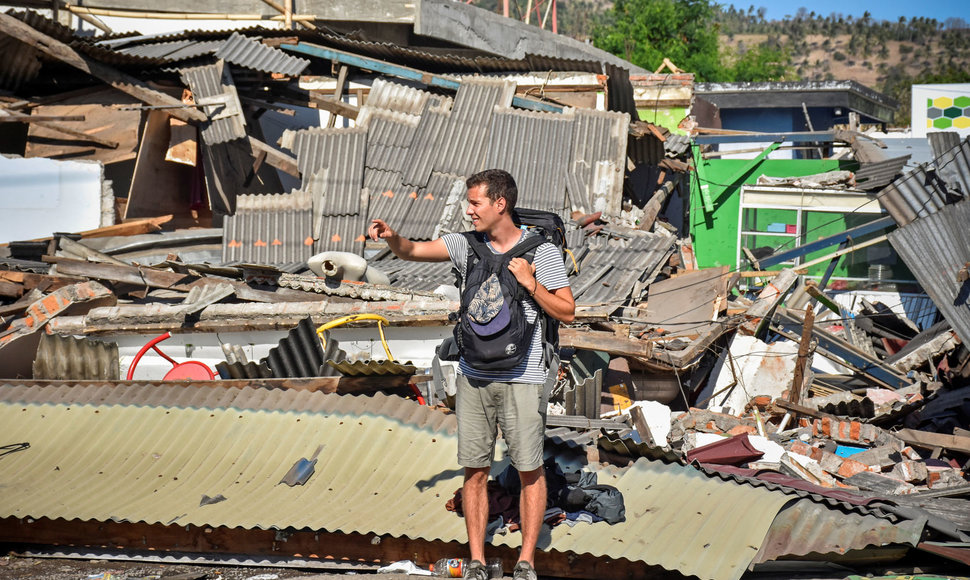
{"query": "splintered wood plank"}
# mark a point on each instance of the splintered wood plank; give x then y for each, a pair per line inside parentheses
(158, 186)
(183, 143)
(123, 82)
(103, 124)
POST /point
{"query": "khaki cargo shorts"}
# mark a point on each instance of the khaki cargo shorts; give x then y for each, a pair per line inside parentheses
(518, 408)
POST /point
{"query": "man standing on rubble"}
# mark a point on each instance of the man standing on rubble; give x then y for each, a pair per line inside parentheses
(515, 398)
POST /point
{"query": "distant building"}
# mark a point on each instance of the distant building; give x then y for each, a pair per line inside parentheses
(784, 107)
(941, 108)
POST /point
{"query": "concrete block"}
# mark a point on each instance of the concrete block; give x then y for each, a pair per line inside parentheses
(945, 478)
(910, 471)
(911, 454)
(878, 457)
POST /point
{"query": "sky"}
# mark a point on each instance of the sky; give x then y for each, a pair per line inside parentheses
(881, 10)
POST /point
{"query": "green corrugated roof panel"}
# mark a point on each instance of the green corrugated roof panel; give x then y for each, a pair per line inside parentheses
(375, 474)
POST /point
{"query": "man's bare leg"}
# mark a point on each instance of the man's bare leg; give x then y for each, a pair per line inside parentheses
(474, 499)
(532, 507)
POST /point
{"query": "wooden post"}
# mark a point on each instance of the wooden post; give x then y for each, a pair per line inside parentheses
(338, 94)
(288, 15)
(640, 423)
(795, 394)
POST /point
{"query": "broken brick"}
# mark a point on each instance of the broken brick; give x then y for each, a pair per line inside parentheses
(910, 471)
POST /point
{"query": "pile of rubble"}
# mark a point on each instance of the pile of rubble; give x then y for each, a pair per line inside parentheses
(680, 386)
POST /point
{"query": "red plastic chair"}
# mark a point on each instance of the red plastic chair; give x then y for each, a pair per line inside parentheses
(192, 370)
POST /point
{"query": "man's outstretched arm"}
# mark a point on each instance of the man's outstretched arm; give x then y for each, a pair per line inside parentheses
(433, 251)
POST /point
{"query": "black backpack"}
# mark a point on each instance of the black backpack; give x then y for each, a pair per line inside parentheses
(550, 226)
(507, 349)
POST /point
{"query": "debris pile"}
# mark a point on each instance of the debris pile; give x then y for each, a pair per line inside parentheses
(236, 174)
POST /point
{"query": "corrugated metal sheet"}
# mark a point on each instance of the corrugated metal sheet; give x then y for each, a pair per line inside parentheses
(935, 248)
(212, 81)
(599, 137)
(343, 233)
(173, 51)
(389, 96)
(21, 63)
(389, 138)
(390, 199)
(467, 143)
(424, 276)
(611, 268)
(269, 229)
(873, 176)
(928, 188)
(359, 368)
(298, 354)
(455, 141)
(619, 90)
(806, 527)
(166, 459)
(202, 395)
(341, 153)
(250, 53)
(536, 149)
(78, 358)
(430, 137)
(942, 141)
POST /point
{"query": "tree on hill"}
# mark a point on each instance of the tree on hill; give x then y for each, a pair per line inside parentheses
(645, 32)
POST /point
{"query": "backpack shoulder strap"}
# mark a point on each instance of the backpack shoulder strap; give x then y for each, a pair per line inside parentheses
(527, 246)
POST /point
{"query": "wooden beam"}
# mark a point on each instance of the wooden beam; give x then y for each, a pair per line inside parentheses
(338, 92)
(927, 439)
(7, 115)
(282, 10)
(119, 80)
(605, 342)
(39, 118)
(795, 394)
(129, 228)
(335, 106)
(275, 157)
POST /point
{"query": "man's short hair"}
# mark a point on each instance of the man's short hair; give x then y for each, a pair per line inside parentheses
(498, 184)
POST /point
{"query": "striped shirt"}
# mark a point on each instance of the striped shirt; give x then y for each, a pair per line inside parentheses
(551, 273)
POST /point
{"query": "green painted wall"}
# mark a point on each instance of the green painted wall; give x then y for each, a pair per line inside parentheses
(715, 233)
(669, 118)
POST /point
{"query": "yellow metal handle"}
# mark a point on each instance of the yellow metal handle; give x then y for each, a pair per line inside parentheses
(381, 321)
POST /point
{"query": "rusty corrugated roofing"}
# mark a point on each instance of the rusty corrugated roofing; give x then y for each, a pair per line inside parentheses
(807, 527)
(164, 459)
(250, 53)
